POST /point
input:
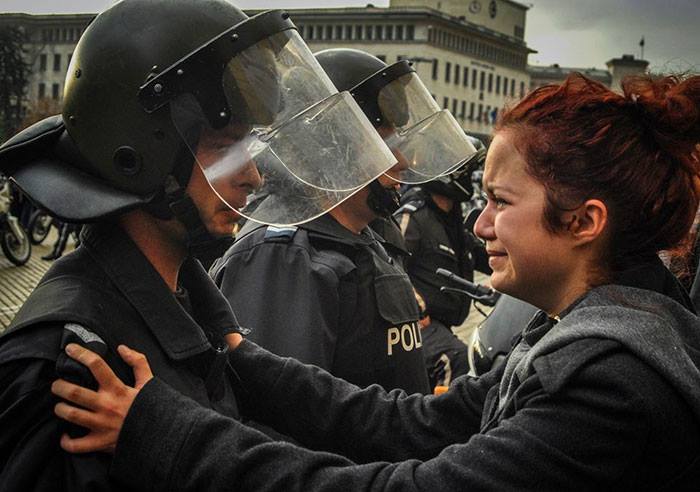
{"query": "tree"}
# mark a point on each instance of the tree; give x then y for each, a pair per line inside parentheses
(14, 76)
(37, 111)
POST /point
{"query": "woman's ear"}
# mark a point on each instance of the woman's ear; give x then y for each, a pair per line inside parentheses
(586, 223)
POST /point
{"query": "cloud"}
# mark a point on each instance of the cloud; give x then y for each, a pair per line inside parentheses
(590, 33)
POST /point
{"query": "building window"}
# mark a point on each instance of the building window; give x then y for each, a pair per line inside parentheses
(319, 32)
(522, 89)
(454, 107)
(389, 32)
(42, 62)
(519, 32)
(410, 32)
(494, 115)
(379, 32)
(329, 32)
(471, 111)
(457, 70)
(56, 63)
(54, 91)
(482, 80)
(487, 115)
(465, 77)
(399, 33)
(464, 109)
(358, 32)
(42, 90)
(368, 32)
(512, 87)
(498, 84)
(445, 102)
(481, 112)
(474, 78)
(435, 68)
(348, 32)
(490, 89)
(505, 86)
(448, 71)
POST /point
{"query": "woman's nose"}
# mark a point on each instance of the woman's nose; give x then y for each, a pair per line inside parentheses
(483, 227)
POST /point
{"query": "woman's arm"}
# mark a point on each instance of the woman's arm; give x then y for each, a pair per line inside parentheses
(570, 441)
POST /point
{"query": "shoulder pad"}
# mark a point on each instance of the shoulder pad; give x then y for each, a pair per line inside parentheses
(280, 234)
(83, 333)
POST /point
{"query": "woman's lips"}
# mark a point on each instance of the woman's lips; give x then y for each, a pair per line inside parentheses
(495, 258)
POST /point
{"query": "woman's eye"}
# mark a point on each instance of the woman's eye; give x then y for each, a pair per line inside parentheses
(498, 202)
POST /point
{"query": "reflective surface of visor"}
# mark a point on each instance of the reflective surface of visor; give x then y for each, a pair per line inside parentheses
(427, 140)
(311, 146)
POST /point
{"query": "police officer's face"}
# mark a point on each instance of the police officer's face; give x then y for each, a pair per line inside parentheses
(528, 260)
(401, 162)
(230, 177)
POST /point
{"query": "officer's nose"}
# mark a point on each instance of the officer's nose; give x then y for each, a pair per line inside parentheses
(249, 176)
(401, 165)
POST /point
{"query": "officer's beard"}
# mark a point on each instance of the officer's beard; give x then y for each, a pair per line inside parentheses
(382, 201)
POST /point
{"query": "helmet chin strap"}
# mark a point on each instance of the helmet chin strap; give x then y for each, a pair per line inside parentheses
(382, 201)
(183, 209)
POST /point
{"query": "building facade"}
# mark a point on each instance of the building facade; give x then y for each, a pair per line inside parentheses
(618, 69)
(50, 42)
(471, 70)
(470, 54)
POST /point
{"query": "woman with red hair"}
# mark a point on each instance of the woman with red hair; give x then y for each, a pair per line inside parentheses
(601, 391)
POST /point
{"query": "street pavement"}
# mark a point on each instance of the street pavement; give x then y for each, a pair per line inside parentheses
(17, 282)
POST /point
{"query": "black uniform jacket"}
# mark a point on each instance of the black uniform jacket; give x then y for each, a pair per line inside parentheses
(104, 294)
(327, 297)
(435, 240)
(605, 399)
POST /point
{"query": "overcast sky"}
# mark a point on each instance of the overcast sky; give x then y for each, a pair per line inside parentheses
(572, 33)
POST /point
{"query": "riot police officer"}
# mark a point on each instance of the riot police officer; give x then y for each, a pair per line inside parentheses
(334, 297)
(432, 224)
(166, 103)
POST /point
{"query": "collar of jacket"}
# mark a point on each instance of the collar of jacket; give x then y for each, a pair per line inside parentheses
(179, 335)
(326, 227)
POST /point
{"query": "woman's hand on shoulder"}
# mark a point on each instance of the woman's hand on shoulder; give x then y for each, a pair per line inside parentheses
(102, 412)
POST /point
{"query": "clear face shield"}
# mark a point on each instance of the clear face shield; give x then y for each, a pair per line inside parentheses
(427, 141)
(257, 111)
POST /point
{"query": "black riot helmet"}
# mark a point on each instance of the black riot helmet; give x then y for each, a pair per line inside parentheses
(426, 140)
(131, 148)
(149, 78)
(347, 68)
(458, 184)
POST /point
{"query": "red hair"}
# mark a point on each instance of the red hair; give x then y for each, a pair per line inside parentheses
(635, 151)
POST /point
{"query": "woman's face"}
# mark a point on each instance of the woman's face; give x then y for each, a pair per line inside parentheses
(528, 261)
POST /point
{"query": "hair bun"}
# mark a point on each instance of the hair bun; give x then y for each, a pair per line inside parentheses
(672, 103)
